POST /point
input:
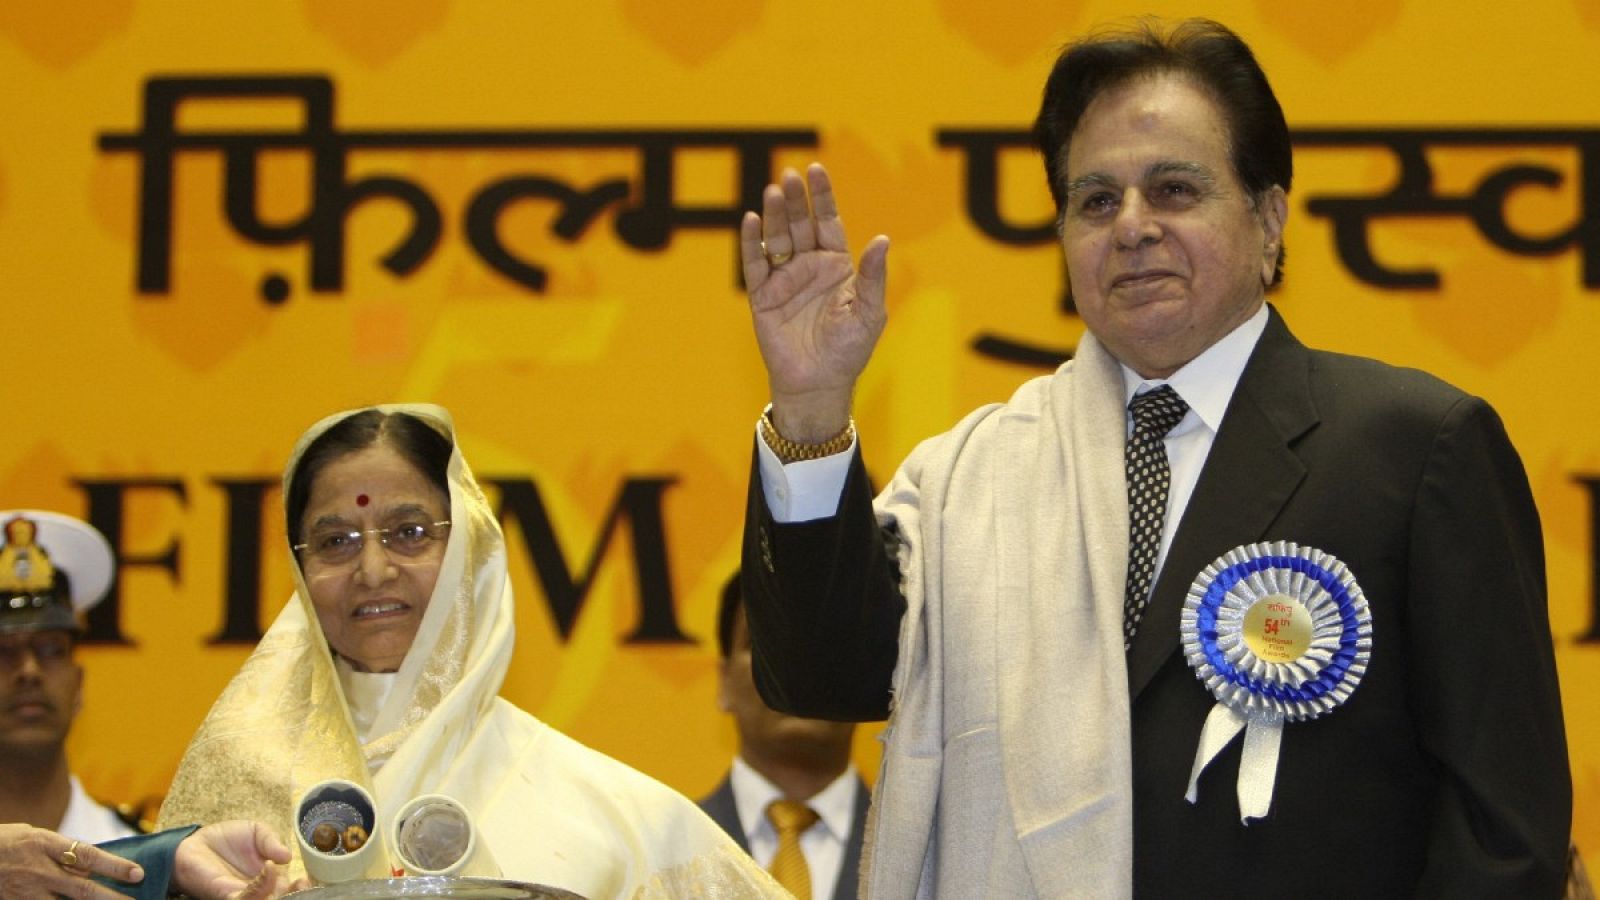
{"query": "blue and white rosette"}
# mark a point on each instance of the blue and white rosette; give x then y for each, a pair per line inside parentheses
(1277, 632)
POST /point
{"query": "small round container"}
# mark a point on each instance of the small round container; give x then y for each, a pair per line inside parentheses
(434, 835)
(340, 805)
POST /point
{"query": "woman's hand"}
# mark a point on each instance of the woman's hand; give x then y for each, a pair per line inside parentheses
(233, 860)
(817, 317)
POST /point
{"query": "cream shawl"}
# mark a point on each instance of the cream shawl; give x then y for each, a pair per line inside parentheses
(1007, 765)
(551, 810)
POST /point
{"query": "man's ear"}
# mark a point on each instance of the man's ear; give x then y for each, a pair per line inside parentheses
(1273, 209)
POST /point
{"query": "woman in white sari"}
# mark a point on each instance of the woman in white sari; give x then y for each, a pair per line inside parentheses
(384, 670)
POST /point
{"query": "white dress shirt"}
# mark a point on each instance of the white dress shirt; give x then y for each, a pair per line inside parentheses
(88, 821)
(807, 490)
(823, 843)
(1206, 383)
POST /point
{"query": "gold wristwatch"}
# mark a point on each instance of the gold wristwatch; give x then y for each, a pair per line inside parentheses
(793, 451)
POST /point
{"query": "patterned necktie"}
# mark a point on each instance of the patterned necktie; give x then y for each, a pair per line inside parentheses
(1154, 414)
(790, 818)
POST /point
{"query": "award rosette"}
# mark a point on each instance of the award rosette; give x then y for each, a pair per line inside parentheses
(1278, 633)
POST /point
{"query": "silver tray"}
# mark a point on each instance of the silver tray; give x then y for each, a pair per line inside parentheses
(453, 886)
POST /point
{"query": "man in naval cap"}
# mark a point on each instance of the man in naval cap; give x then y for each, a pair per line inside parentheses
(53, 569)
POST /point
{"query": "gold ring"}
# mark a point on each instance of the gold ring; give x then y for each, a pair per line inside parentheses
(69, 856)
(775, 259)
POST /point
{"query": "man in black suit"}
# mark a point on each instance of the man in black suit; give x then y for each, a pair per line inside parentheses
(1336, 559)
(788, 758)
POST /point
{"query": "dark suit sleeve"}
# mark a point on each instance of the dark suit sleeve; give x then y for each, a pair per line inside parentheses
(156, 854)
(824, 605)
(1482, 670)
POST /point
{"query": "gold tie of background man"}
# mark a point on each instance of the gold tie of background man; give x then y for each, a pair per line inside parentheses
(790, 818)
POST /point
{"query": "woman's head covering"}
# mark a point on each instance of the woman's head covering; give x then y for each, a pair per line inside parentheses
(283, 723)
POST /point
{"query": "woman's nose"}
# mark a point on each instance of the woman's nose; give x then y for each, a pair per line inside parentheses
(373, 566)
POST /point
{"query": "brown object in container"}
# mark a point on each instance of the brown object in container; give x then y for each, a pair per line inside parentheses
(325, 837)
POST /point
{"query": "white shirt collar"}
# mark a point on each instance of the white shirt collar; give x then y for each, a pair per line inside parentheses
(1206, 382)
(752, 792)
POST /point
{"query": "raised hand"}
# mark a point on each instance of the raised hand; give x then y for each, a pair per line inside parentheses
(817, 317)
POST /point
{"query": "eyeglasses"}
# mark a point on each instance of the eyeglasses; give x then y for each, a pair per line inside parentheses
(51, 649)
(408, 539)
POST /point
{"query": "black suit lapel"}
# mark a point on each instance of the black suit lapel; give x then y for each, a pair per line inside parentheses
(1249, 475)
(846, 888)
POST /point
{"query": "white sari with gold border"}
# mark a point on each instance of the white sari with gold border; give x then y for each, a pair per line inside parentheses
(552, 811)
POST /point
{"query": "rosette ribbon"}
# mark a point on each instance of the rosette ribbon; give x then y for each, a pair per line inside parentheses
(1278, 633)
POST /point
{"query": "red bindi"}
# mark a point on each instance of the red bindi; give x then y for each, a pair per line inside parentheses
(361, 499)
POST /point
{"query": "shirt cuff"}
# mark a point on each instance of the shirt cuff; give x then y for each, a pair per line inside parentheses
(805, 490)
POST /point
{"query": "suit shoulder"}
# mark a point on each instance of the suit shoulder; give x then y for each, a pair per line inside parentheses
(1380, 385)
(719, 796)
(1405, 410)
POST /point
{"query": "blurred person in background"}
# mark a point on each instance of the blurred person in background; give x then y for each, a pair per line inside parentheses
(791, 797)
(53, 569)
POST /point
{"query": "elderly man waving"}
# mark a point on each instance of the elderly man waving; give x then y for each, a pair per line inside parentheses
(1203, 613)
